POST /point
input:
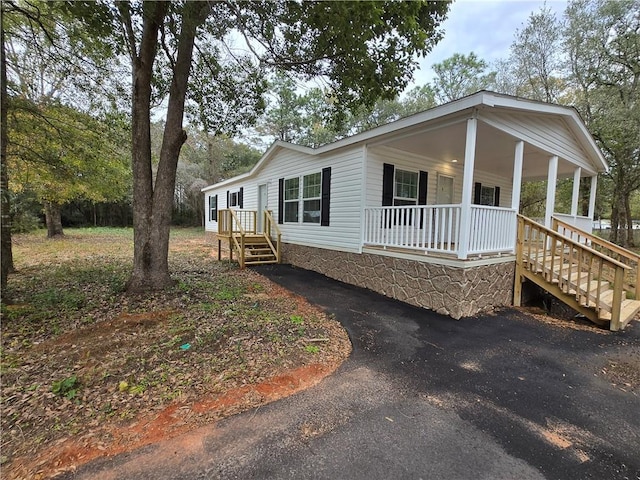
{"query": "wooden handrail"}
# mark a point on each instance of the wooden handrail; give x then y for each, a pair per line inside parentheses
(269, 224)
(575, 260)
(597, 240)
(625, 256)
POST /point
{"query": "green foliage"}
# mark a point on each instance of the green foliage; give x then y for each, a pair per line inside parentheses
(306, 119)
(296, 319)
(312, 349)
(603, 41)
(460, 75)
(60, 154)
(58, 299)
(536, 57)
(67, 387)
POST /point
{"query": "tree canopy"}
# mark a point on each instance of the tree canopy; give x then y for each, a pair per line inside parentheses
(182, 53)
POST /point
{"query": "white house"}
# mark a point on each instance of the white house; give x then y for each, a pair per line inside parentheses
(423, 209)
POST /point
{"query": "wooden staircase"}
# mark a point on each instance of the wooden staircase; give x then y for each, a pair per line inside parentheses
(594, 277)
(239, 228)
(258, 250)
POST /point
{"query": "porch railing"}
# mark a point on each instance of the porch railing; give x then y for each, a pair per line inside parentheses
(493, 229)
(429, 228)
(436, 228)
(581, 222)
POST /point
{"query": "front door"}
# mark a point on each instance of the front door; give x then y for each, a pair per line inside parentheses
(263, 204)
(444, 194)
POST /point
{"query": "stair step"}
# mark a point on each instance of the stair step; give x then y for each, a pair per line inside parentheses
(260, 262)
(628, 312)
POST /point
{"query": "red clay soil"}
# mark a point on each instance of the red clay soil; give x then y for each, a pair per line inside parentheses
(176, 419)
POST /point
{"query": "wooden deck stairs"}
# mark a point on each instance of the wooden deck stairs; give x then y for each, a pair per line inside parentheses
(258, 249)
(239, 229)
(594, 277)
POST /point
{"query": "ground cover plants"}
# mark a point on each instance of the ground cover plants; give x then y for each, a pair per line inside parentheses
(90, 370)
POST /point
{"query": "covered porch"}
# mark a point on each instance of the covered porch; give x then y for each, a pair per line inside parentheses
(509, 141)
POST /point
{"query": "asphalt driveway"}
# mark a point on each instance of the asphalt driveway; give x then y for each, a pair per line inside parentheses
(504, 396)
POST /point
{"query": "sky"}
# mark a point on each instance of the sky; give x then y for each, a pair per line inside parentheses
(485, 27)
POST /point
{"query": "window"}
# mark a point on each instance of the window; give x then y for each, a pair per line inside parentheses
(311, 196)
(487, 195)
(305, 199)
(233, 199)
(483, 195)
(305, 195)
(213, 208)
(405, 188)
(291, 199)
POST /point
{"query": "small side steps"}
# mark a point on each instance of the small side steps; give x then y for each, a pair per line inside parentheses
(602, 288)
(258, 251)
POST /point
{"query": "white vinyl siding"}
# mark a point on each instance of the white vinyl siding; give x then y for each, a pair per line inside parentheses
(543, 131)
(343, 232)
(407, 161)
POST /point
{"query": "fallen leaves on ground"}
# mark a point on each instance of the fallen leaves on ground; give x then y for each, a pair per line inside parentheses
(90, 370)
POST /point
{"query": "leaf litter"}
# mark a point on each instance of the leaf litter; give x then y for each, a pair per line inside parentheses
(89, 370)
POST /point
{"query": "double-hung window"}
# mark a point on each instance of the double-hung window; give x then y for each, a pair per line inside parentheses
(291, 199)
(311, 196)
(303, 196)
(405, 190)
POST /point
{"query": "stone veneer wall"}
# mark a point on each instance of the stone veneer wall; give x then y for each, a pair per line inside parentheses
(457, 292)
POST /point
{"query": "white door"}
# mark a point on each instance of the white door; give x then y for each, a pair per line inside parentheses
(444, 193)
(263, 204)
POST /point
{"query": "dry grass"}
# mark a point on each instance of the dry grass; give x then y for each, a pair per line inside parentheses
(81, 358)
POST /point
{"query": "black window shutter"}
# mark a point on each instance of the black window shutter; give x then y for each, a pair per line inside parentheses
(422, 192)
(280, 200)
(496, 198)
(213, 208)
(387, 184)
(477, 190)
(240, 202)
(422, 188)
(326, 197)
(228, 199)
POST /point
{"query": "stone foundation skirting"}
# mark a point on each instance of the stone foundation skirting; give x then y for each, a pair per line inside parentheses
(454, 291)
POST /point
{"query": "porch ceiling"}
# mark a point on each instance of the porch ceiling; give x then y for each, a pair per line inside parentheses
(494, 150)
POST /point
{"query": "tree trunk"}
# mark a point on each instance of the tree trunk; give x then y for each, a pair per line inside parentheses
(629, 221)
(6, 252)
(152, 207)
(53, 218)
(149, 270)
(621, 225)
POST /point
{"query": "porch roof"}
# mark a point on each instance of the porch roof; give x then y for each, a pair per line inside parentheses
(439, 133)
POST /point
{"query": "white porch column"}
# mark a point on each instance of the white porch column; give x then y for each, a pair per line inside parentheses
(517, 176)
(576, 191)
(467, 188)
(592, 197)
(552, 177)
